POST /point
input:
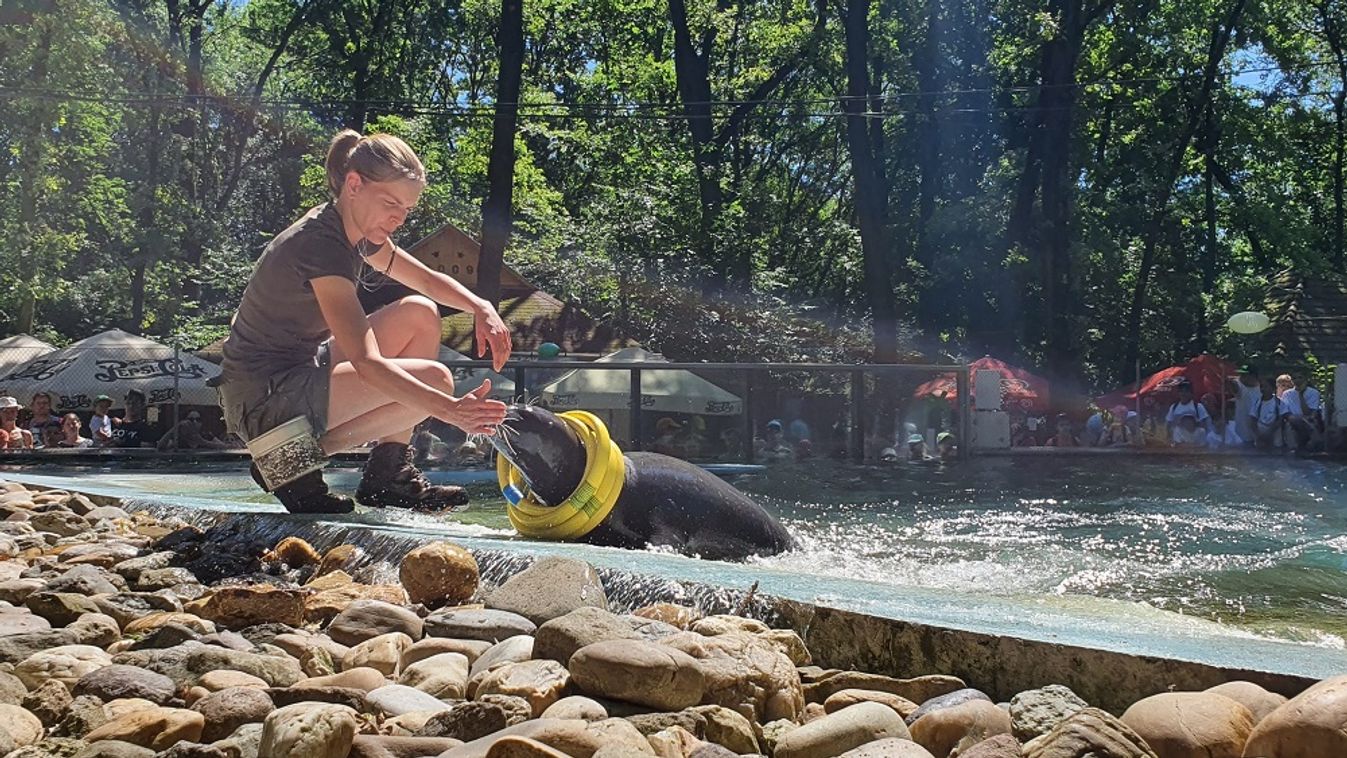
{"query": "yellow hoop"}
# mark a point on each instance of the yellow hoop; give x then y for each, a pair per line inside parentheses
(587, 506)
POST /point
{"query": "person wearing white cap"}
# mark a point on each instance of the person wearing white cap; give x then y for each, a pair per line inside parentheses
(14, 437)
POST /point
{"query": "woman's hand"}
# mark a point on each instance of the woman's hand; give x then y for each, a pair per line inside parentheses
(474, 413)
(491, 331)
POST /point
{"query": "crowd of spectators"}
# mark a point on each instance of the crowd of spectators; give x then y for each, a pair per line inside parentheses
(39, 427)
(1285, 413)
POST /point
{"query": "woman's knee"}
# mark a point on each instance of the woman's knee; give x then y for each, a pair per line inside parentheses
(420, 312)
(437, 375)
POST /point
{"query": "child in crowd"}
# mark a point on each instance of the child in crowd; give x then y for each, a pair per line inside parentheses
(100, 426)
(1268, 417)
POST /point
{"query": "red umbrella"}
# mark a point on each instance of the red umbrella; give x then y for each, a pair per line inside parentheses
(1207, 373)
(1018, 387)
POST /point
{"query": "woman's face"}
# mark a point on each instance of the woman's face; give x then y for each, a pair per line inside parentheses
(70, 425)
(379, 208)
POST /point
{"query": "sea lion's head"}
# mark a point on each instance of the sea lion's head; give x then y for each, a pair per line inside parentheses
(547, 452)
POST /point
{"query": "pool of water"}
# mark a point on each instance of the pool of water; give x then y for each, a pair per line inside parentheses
(1230, 561)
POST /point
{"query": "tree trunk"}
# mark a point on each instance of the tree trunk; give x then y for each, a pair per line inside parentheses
(1220, 38)
(31, 165)
(930, 79)
(496, 218)
(1209, 252)
(870, 199)
(691, 70)
(1339, 146)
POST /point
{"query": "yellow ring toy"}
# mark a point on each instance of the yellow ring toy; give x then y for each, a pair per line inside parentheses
(587, 506)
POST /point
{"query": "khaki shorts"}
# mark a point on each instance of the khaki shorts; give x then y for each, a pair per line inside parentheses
(254, 407)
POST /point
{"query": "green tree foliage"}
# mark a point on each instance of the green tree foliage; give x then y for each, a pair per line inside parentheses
(1076, 185)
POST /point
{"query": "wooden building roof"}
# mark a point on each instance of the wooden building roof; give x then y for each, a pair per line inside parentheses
(1309, 316)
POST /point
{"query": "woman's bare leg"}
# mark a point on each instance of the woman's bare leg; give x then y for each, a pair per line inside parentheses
(409, 332)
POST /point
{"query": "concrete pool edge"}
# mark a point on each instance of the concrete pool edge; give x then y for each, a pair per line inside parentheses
(1000, 665)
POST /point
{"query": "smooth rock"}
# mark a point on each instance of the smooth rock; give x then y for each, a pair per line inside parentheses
(442, 676)
(839, 700)
(60, 608)
(274, 670)
(24, 728)
(1089, 732)
(674, 742)
(399, 699)
(66, 664)
(15, 591)
(295, 552)
(1259, 701)
(308, 730)
(541, 683)
(361, 678)
(559, 638)
(155, 620)
(1000, 746)
(918, 689)
(440, 573)
(550, 588)
(958, 697)
(154, 728)
(338, 558)
(366, 619)
(15, 621)
(1313, 723)
(889, 748)
(712, 626)
(215, 681)
(12, 689)
(576, 707)
(228, 709)
(478, 624)
(325, 604)
(423, 649)
(382, 746)
(1036, 712)
(839, 732)
(1191, 724)
(114, 749)
(953, 729)
(381, 653)
(116, 681)
(351, 698)
(639, 672)
(790, 643)
(127, 607)
(509, 650)
(522, 747)
(573, 737)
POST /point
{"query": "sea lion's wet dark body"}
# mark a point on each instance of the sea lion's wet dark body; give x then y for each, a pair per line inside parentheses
(664, 501)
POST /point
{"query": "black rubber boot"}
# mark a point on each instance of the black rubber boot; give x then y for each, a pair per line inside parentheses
(307, 494)
(391, 480)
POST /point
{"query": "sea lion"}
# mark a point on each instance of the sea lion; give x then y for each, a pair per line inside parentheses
(663, 501)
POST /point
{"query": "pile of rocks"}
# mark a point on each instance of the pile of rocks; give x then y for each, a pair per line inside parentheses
(111, 646)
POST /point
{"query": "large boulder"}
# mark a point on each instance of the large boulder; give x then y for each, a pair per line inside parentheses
(846, 698)
(918, 689)
(361, 678)
(836, 733)
(366, 619)
(639, 672)
(550, 588)
(958, 697)
(382, 653)
(509, 650)
(892, 747)
(308, 730)
(295, 552)
(1000, 746)
(1312, 724)
(1259, 701)
(440, 573)
(951, 730)
(24, 728)
(572, 737)
(275, 670)
(399, 699)
(1089, 732)
(559, 638)
(745, 673)
(1191, 724)
(466, 721)
(419, 651)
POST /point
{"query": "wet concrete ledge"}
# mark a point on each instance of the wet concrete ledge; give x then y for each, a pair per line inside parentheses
(999, 665)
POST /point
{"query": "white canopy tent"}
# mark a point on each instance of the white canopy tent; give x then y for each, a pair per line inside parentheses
(112, 363)
(468, 378)
(662, 390)
(20, 349)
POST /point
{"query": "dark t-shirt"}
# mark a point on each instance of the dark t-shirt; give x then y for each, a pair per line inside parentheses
(279, 324)
(133, 434)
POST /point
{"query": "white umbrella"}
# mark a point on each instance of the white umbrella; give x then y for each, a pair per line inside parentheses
(662, 389)
(20, 349)
(468, 378)
(112, 363)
